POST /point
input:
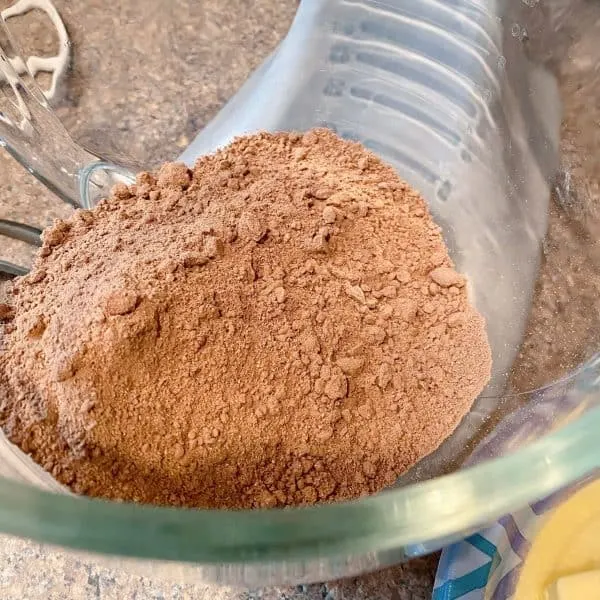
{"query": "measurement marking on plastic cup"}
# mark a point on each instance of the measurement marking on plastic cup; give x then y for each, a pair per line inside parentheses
(443, 191)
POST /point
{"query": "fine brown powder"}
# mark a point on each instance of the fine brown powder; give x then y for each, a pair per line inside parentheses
(280, 325)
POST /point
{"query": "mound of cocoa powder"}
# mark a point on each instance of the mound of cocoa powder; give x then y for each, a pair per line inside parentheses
(280, 325)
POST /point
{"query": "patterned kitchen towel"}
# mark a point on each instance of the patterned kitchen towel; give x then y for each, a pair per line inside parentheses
(486, 565)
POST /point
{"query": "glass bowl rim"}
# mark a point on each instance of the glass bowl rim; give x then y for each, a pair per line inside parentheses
(437, 509)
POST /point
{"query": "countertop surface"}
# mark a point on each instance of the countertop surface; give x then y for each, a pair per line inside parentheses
(30, 571)
(146, 76)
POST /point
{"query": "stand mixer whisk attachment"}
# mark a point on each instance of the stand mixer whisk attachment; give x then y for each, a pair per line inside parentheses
(34, 136)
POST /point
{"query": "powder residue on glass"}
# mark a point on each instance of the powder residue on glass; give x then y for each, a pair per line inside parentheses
(280, 325)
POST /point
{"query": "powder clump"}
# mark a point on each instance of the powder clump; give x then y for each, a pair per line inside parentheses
(280, 325)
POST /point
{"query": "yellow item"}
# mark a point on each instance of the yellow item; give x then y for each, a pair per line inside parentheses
(567, 544)
(583, 586)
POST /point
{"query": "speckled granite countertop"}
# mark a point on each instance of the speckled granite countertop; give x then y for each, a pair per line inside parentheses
(30, 571)
(194, 54)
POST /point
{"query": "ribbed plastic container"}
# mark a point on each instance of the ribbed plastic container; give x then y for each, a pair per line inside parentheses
(463, 98)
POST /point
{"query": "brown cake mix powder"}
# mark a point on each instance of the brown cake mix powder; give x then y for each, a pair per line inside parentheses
(280, 325)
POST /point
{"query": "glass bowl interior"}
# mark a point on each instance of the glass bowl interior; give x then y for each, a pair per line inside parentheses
(505, 140)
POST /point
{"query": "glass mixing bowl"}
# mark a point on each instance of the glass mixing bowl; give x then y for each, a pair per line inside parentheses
(488, 108)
